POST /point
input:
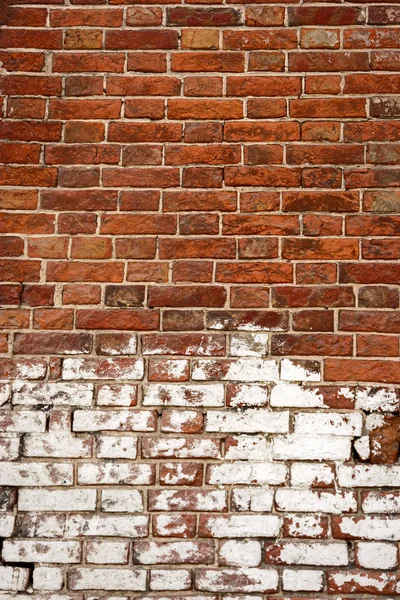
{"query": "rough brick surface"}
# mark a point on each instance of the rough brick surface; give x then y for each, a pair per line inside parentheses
(199, 290)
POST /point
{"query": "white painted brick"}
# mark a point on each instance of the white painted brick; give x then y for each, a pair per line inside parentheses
(301, 580)
(114, 420)
(240, 553)
(45, 552)
(9, 447)
(107, 579)
(116, 395)
(376, 555)
(308, 501)
(56, 500)
(6, 525)
(248, 447)
(181, 447)
(330, 554)
(381, 502)
(249, 395)
(249, 344)
(239, 580)
(373, 399)
(5, 391)
(371, 528)
(312, 474)
(305, 526)
(294, 371)
(369, 475)
(107, 553)
(250, 499)
(247, 473)
(311, 447)
(47, 579)
(35, 474)
(179, 421)
(106, 525)
(126, 501)
(183, 395)
(112, 473)
(57, 445)
(14, 579)
(251, 420)
(243, 526)
(329, 423)
(170, 579)
(362, 447)
(242, 369)
(102, 368)
(22, 421)
(180, 552)
(57, 394)
(39, 525)
(110, 446)
(294, 395)
(193, 500)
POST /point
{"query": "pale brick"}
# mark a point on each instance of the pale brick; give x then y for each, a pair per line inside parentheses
(38, 525)
(307, 553)
(240, 526)
(296, 370)
(301, 580)
(103, 553)
(367, 528)
(305, 526)
(22, 421)
(57, 445)
(9, 447)
(114, 420)
(182, 447)
(308, 501)
(190, 552)
(183, 395)
(45, 552)
(107, 579)
(376, 555)
(369, 475)
(192, 500)
(111, 473)
(247, 395)
(251, 420)
(170, 579)
(35, 474)
(373, 399)
(347, 424)
(57, 394)
(47, 579)
(237, 580)
(294, 395)
(249, 344)
(56, 500)
(110, 446)
(241, 369)
(254, 500)
(250, 473)
(311, 447)
(240, 553)
(312, 475)
(5, 392)
(116, 395)
(6, 525)
(14, 579)
(247, 447)
(126, 501)
(107, 526)
(182, 421)
(102, 368)
(381, 502)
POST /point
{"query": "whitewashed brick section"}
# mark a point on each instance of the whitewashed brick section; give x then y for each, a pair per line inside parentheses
(376, 555)
(13, 579)
(249, 395)
(125, 501)
(251, 420)
(56, 500)
(312, 475)
(294, 395)
(103, 553)
(57, 445)
(22, 421)
(347, 424)
(7, 523)
(308, 501)
(242, 369)
(183, 395)
(47, 579)
(45, 552)
(311, 447)
(9, 447)
(237, 580)
(292, 370)
(110, 446)
(106, 525)
(5, 391)
(371, 528)
(107, 579)
(243, 526)
(103, 368)
(36, 474)
(113, 395)
(308, 553)
(381, 502)
(57, 394)
(305, 526)
(170, 579)
(301, 580)
(171, 500)
(113, 420)
(249, 344)
(250, 499)
(369, 475)
(250, 473)
(240, 553)
(248, 447)
(373, 399)
(112, 473)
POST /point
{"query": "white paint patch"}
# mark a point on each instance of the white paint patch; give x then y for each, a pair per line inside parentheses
(184, 395)
(293, 395)
(251, 420)
(249, 345)
(292, 371)
(373, 399)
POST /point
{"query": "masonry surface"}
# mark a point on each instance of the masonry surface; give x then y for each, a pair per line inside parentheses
(199, 351)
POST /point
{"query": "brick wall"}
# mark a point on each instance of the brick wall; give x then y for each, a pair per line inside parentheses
(199, 279)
